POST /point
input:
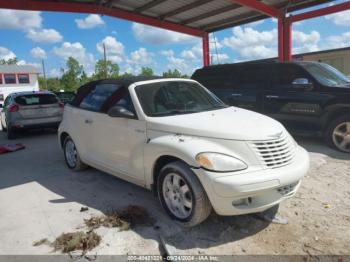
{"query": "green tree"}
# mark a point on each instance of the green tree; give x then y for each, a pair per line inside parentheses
(53, 84)
(84, 78)
(71, 77)
(105, 70)
(146, 71)
(172, 73)
(10, 61)
(126, 74)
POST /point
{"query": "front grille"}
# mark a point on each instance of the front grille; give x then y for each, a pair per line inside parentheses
(275, 153)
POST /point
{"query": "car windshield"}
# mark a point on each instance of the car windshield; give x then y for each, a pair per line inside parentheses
(326, 74)
(176, 97)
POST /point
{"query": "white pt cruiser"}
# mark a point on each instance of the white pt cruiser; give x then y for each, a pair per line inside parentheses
(176, 138)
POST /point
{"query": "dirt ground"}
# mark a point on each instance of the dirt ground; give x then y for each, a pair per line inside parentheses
(41, 198)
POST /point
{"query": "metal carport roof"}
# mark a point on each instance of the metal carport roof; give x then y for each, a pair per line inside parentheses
(193, 17)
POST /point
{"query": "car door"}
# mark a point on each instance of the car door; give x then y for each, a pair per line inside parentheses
(86, 116)
(249, 83)
(292, 97)
(118, 142)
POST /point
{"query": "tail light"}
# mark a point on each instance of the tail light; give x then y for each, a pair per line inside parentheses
(13, 108)
(61, 104)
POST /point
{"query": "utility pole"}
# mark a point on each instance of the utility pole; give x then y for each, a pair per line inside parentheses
(105, 59)
(44, 73)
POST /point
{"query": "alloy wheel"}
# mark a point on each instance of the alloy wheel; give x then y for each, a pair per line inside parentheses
(341, 136)
(71, 153)
(177, 196)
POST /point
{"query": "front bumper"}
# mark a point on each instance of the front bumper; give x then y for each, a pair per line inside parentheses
(239, 193)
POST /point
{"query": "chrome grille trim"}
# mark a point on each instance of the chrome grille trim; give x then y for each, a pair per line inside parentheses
(276, 152)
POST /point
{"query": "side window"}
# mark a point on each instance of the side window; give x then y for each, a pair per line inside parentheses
(7, 101)
(251, 77)
(0, 79)
(120, 98)
(96, 98)
(283, 76)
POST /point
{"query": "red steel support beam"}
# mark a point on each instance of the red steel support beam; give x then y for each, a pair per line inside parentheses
(259, 7)
(320, 12)
(206, 54)
(280, 40)
(287, 41)
(80, 7)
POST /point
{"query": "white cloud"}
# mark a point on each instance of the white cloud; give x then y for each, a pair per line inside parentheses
(38, 52)
(16, 19)
(252, 44)
(114, 49)
(305, 42)
(153, 35)
(141, 57)
(44, 35)
(174, 62)
(77, 51)
(341, 18)
(91, 21)
(338, 41)
(6, 53)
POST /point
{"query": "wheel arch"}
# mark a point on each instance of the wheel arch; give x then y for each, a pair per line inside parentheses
(160, 162)
(63, 137)
(334, 112)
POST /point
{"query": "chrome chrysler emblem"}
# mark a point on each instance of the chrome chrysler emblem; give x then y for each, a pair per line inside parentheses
(276, 135)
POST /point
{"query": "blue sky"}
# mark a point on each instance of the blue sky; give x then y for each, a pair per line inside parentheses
(33, 36)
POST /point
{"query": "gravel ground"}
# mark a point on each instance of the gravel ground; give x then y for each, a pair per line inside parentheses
(41, 198)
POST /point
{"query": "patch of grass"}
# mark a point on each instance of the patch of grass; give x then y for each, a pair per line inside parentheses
(130, 216)
(42, 242)
(111, 220)
(69, 242)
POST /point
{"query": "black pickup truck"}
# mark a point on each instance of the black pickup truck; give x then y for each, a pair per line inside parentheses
(307, 97)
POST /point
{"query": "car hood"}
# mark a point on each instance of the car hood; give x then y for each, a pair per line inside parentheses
(228, 123)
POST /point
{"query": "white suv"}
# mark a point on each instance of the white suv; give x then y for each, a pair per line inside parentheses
(176, 138)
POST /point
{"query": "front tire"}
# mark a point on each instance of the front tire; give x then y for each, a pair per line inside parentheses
(182, 195)
(337, 134)
(71, 155)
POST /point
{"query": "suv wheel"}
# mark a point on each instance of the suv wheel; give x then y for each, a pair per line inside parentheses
(71, 155)
(182, 195)
(338, 134)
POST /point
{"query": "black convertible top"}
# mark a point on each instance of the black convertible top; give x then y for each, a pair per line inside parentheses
(123, 82)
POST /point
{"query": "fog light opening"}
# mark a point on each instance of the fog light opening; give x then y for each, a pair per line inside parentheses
(242, 202)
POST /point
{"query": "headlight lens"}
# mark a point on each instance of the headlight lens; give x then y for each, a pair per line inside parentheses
(220, 162)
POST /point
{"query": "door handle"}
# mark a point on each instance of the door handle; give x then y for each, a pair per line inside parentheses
(235, 95)
(88, 121)
(272, 96)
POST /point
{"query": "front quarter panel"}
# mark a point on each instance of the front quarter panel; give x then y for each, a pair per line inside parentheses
(186, 148)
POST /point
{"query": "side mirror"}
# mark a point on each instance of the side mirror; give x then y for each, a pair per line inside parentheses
(302, 83)
(119, 111)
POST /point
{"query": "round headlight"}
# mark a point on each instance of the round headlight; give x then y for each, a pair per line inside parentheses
(220, 162)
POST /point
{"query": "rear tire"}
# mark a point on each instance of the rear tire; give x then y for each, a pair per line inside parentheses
(182, 195)
(71, 155)
(337, 134)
